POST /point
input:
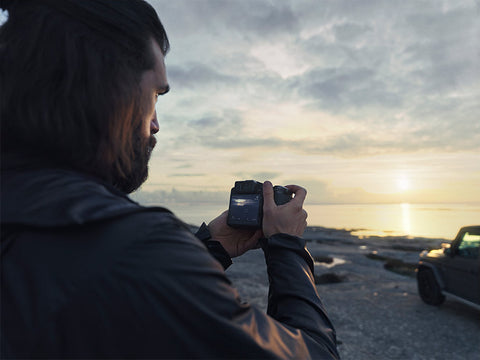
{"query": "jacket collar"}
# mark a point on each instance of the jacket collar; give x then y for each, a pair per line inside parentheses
(47, 197)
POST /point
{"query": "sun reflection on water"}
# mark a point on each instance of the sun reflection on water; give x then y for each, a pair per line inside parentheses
(406, 223)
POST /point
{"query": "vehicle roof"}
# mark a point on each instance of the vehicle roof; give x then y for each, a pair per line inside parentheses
(476, 227)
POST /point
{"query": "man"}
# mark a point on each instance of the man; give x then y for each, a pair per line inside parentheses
(88, 273)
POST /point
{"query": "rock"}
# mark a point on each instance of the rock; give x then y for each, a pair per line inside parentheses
(329, 278)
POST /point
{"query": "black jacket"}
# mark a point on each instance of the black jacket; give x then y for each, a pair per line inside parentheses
(88, 273)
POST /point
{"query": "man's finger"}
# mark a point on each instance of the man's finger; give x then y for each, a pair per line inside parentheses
(300, 193)
(268, 199)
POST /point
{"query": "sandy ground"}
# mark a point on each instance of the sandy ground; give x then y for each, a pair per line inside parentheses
(377, 313)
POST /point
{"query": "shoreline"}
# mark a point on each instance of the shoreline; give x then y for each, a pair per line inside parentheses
(333, 236)
(321, 234)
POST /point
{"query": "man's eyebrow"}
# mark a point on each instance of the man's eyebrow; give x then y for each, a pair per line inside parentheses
(163, 90)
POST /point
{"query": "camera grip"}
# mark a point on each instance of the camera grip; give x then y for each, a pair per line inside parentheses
(281, 195)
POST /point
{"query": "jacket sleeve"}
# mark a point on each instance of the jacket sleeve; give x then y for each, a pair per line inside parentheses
(176, 302)
(214, 247)
(293, 299)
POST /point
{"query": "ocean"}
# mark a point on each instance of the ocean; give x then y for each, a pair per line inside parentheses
(413, 220)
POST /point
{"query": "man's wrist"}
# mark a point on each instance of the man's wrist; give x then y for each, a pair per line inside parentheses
(214, 247)
(203, 233)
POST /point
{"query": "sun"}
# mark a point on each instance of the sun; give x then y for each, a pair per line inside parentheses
(403, 183)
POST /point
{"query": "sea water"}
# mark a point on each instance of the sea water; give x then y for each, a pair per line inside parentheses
(413, 220)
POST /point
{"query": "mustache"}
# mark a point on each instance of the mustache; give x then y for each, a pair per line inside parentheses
(151, 142)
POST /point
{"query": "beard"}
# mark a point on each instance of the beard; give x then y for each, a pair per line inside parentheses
(142, 150)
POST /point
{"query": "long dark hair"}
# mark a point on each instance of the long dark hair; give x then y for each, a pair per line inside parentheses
(69, 80)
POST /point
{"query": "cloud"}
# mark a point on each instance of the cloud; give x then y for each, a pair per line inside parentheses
(198, 76)
(250, 18)
(226, 23)
(178, 196)
(402, 83)
(265, 175)
(230, 132)
(349, 32)
(186, 175)
(346, 89)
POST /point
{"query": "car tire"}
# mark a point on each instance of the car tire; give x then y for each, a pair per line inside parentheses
(428, 287)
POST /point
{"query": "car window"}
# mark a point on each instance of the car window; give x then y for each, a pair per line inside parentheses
(469, 247)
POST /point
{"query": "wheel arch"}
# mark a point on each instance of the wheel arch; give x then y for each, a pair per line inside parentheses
(438, 276)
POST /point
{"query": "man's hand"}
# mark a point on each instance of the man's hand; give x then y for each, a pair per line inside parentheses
(289, 218)
(235, 241)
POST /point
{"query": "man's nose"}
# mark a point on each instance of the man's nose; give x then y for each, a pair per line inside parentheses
(154, 126)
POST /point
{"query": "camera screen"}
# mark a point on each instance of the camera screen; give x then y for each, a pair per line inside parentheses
(245, 208)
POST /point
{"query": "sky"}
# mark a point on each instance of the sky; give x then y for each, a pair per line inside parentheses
(357, 101)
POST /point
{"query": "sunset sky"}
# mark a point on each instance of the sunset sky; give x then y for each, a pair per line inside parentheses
(358, 101)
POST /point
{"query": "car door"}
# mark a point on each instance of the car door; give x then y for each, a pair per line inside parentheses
(462, 270)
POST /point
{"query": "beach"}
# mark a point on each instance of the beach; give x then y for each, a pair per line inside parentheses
(369, 289)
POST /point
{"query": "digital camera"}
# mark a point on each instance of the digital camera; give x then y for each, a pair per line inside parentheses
(246, 203)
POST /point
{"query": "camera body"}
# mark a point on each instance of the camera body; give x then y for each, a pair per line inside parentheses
(246, 203)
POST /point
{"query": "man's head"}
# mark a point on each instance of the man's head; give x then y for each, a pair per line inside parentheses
(79, 80)
(153, 83)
